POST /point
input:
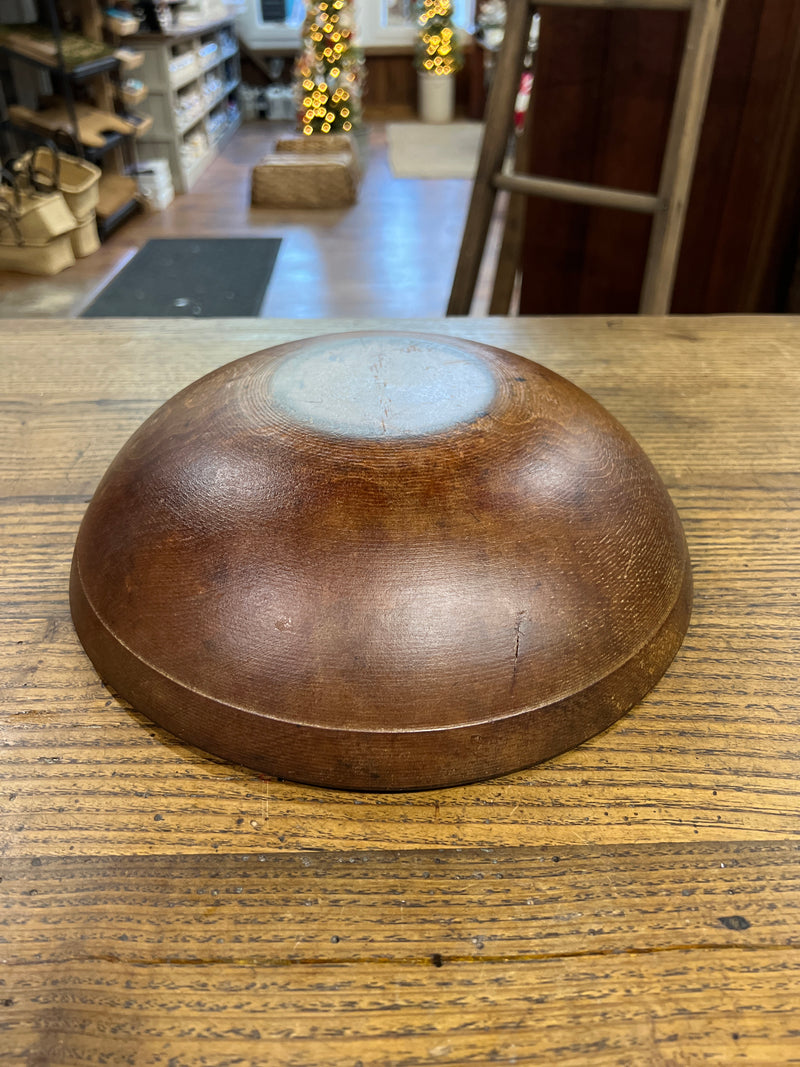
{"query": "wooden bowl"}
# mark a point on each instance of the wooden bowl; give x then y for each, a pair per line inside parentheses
(382, 561)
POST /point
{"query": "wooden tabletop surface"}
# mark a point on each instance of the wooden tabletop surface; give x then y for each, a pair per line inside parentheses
(634, 901)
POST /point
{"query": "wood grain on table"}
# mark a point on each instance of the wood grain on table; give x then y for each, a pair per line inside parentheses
(634, 901)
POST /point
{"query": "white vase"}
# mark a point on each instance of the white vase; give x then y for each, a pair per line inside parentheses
(437, 96)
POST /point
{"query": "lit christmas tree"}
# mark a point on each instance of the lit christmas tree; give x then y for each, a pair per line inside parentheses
(438, 50)
(329, 70)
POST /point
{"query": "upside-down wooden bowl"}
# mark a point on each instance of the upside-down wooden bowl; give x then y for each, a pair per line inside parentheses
(382, 561)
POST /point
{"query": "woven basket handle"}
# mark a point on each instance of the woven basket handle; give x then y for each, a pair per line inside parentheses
(9, 176)
(45, 180)
(7, 218)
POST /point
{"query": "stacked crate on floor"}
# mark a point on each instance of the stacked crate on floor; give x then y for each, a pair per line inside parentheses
(321, 170)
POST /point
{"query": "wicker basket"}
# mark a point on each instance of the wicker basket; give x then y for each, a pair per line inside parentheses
(38, 216)
(322, 144)
(84, 237)
(317, 144)
(301, 180)
(128, 59)
(121, 24)
(132, 97)
(78, 180)
(49, 257)
(80, 184)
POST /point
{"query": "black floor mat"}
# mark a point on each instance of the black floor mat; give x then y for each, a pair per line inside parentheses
(187, 277)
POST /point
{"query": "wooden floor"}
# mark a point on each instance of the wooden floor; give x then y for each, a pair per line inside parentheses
(393, 254)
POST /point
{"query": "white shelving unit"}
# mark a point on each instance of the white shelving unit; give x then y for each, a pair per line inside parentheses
(192, 75)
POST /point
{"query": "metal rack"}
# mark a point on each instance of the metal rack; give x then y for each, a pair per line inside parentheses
(66, 77)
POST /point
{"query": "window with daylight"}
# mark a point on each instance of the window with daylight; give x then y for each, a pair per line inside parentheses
(266, 24)
(404, 13)
(275, 23)
(385, 22)
(397, 12)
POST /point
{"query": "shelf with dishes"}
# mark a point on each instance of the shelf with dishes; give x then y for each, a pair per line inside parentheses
(201, 102)
(204, 143)
(192, 75)
(186, 66)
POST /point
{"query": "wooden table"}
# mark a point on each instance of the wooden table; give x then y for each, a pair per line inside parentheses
(635, 901)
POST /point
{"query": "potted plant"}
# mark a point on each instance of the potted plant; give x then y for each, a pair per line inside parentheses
(438, 57)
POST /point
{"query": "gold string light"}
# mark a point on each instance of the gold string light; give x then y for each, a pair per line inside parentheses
(438, 51)
(328, 70)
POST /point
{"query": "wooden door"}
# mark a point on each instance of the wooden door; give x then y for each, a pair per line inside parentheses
(605, 82)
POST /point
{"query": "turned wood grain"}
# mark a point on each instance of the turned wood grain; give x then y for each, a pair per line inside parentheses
(134, 830)
(384, 603)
